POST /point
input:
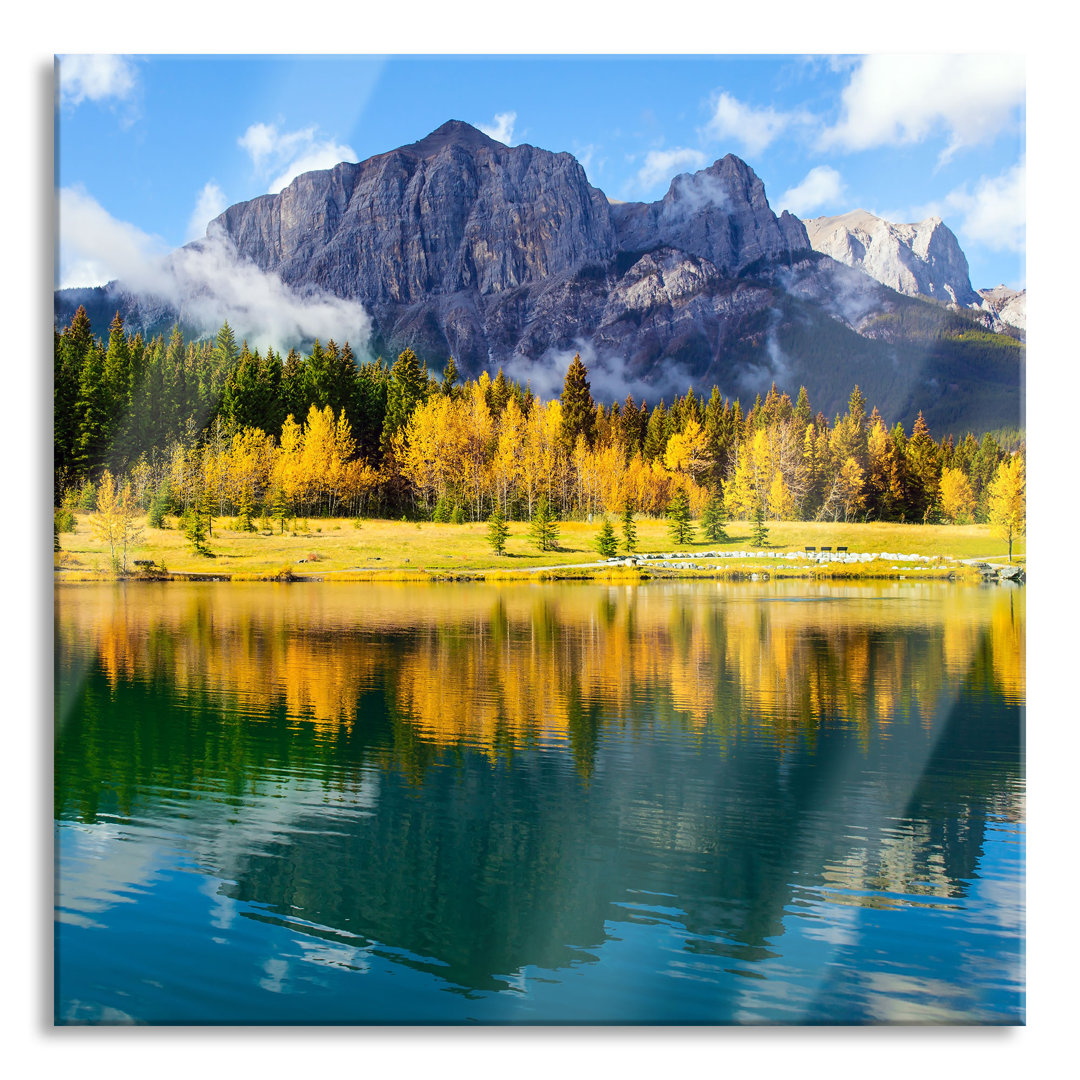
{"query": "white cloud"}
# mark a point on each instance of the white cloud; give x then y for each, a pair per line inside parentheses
(210, 203)
(822, 186)
(290, 153)
(897, 99)
(95, 78)
(94, 246)
(995, 213)
(501, 129)
(207, 282)
(754, 128)
(662, 165)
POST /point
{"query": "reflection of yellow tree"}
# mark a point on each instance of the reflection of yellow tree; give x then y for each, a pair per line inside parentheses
(488, 667)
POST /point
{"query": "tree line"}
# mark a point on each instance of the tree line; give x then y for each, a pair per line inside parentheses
(213, 428)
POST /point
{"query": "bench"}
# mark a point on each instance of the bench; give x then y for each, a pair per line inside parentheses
(841, 551)
(810, 550)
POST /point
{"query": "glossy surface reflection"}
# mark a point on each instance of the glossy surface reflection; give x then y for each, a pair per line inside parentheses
(666, 803)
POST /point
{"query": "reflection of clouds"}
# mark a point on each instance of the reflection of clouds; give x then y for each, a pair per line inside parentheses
(892, 998)
(317, 951)
(837, 926)
(224, 910)
(89, 1012)
(102, 865)
(276, 970)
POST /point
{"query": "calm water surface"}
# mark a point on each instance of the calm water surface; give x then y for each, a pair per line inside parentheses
(675, 802)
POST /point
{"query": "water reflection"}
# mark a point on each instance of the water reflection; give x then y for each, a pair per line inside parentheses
(483, 784)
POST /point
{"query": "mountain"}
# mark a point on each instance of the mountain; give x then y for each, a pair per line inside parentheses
(459, 245)
(1009, 305)
(923, 259)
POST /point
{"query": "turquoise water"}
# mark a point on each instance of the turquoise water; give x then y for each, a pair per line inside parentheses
(669, 803)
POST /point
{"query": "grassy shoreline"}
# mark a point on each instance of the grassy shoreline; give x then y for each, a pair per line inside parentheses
(381, 550)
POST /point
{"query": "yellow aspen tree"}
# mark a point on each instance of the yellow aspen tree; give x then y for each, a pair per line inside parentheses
(286, 477)
(1007, 509)
(957, 498)
(114, 522)
(740, 492)
(781, 501)
(686, 450)
(478, 430)
(506, 464)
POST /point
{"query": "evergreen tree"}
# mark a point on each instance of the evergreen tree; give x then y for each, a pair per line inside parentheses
(195, 531)
(679, 519)
(159, 507)
(712, 518)
(499, 394)
(629, 529)
(408, 386)
(543, 530)
(578, 407)
(245, 511)
(281, 509)
(802, 412)
(450, 376)
(498, 531)
(656, 434)
(605, 539)
(759, 533)
(292, 386)
(94, 413)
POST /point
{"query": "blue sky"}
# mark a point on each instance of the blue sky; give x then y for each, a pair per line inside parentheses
(149, 148)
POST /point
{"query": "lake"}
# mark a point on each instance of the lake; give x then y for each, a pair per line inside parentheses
(673, 802)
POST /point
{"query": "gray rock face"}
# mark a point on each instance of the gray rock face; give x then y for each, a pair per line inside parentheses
(719, 213)
(465, 246)
(457, 245)
(456, 211)
(1009, 305)
(923, 259)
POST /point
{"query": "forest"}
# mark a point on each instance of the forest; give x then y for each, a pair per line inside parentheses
(211, 428)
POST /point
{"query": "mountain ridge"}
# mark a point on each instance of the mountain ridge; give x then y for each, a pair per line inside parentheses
(459, 245)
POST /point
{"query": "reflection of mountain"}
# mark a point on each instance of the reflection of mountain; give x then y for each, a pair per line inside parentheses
(487, 838)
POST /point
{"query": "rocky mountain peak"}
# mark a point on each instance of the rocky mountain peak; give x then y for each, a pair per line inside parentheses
(918, 259)
(452, 133)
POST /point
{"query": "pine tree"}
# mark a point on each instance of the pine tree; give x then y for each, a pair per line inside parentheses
(450, 376)
(159, 507)
(408, 386)
(498, 531)
(629, 529)
(578, 407)
(195, 531)
(244, 522)
(712, 519)
(499, 395)
(679, 519)
(605, 539)
(759, 534)
(543, 531)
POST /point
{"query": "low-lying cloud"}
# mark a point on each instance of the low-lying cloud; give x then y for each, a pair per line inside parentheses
(206, 283)
(661, 165)
(608, 378)
(281, 156)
